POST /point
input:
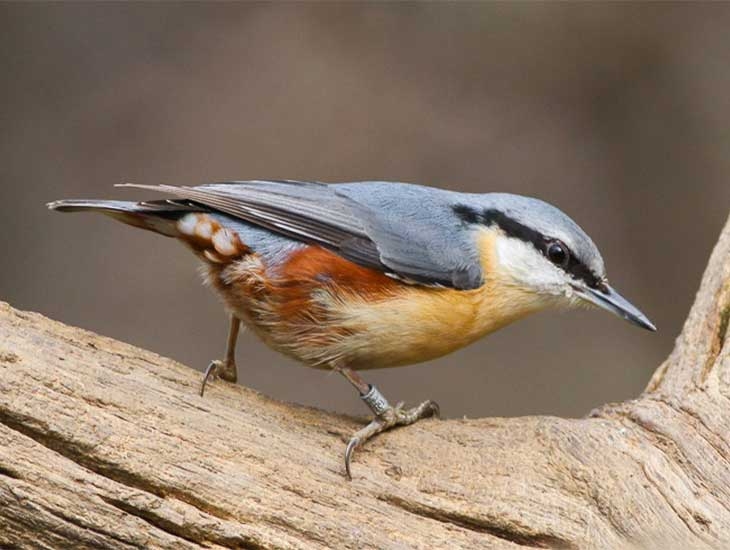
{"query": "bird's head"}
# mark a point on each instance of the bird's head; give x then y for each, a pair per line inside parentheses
(540, 250)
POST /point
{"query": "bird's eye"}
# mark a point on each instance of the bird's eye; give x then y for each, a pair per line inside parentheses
(558, 253)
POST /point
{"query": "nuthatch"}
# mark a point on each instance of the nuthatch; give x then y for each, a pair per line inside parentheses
(370, 275)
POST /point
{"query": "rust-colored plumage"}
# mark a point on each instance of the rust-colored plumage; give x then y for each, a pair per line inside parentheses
(316, 267)
(293, 303)
(324, 310)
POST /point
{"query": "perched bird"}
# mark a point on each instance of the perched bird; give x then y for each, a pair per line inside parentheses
(368, 275)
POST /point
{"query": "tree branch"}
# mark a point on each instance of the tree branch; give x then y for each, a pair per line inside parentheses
(104, 445)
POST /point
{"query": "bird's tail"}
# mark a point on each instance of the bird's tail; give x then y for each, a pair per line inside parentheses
(158, 216)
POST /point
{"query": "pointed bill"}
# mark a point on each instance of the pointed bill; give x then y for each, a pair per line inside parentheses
(610, 300)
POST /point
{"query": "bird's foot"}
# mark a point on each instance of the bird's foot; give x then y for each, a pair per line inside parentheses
(388, 417)
(225, 370)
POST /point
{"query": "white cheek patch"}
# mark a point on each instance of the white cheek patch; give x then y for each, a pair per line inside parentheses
(525, 266)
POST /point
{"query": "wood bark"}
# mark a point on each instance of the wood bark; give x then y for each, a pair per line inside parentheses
(103, 445)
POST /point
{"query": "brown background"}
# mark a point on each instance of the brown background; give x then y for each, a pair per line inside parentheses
(618, 114)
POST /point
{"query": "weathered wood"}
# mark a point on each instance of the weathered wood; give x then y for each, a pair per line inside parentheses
(103, 445)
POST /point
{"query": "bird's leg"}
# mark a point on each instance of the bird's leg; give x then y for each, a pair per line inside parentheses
(226, 369)
(386, 416)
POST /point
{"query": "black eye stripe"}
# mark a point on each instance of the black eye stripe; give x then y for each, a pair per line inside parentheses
(513, 228)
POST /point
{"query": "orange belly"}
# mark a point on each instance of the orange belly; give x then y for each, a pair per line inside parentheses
(298, 306)
(325, 311)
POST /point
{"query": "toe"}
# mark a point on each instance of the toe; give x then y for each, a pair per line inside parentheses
(434, 409)
(210, 374)
(389, 418)
(353, 444)
(424, 410)
(228, 373)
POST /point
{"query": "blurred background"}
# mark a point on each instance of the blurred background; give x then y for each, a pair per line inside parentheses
(619, 114)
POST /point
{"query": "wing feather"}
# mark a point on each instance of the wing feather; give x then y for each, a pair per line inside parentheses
(361, 226)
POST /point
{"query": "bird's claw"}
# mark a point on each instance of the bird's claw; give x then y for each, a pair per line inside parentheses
(390, 418)
(353, 444)
(209, 374)
(215, 369)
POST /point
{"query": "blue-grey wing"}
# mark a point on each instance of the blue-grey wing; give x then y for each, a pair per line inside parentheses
(407, 231)
(416, 232)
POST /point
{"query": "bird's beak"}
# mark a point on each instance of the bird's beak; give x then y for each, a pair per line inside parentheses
(610, 300)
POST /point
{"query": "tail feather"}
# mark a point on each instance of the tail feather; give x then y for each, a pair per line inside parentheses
(157, 216)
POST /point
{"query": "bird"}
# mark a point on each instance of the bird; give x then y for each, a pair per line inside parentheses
(367, 275)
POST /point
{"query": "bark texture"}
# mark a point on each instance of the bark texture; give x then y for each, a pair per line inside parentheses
(103, 445)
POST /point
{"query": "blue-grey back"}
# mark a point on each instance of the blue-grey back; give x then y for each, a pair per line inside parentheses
(409, 231)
